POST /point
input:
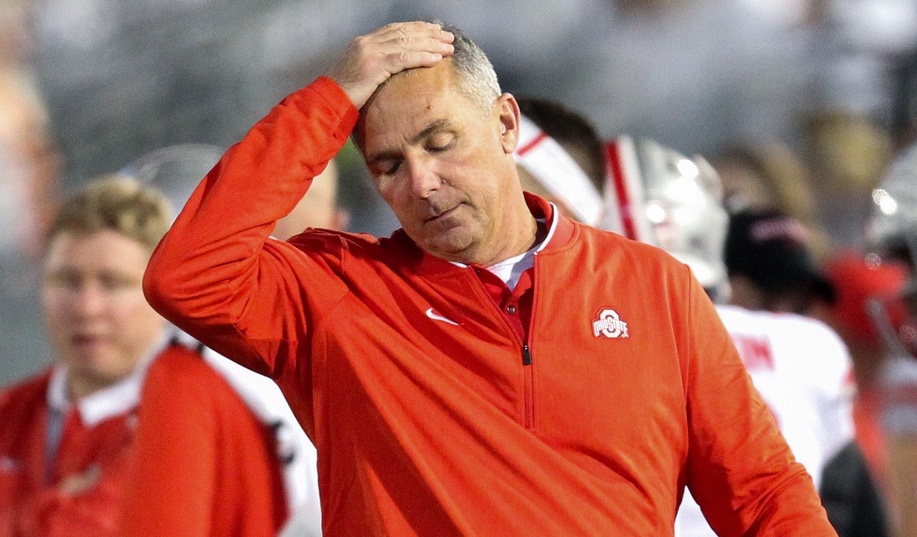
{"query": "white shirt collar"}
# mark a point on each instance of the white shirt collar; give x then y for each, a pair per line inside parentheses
(119, 398)
(515, 260)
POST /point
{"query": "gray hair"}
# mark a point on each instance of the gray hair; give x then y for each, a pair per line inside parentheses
(476, 76)
(478, 79)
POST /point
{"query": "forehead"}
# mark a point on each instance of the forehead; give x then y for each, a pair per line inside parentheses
(411, 100)
(101, 250)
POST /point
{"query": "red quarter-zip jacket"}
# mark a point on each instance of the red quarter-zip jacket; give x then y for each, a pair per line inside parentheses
(430, 414)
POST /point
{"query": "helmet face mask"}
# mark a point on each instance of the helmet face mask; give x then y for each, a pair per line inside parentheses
(658, 196)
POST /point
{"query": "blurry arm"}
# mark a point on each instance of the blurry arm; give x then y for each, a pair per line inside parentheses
(899, 420)
(902, 460)
(176, 466)
(740, 470)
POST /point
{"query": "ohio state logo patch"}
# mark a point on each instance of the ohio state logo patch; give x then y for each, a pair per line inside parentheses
(609, 324)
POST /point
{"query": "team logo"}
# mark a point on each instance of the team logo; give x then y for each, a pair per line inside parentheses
(609, 324)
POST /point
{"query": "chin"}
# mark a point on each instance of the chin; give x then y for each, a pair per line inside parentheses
(460, 252)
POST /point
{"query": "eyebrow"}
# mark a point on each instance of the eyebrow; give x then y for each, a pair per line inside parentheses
(437, 125)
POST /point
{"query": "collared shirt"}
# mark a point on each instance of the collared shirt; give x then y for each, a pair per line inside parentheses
(114, 400)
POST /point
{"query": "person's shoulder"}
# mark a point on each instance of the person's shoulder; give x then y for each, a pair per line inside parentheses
(333, 241)
(739, 317)
(29, 385)
(26, 391)
(806, 329)
(792, 335)
(180, 366)
(615, 242)
(792, 324)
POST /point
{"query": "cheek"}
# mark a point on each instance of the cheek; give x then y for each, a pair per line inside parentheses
(55, 305)
(132, 306)
(394, 194)
(139, 320)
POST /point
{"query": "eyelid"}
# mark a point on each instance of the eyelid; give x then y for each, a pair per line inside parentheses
(436, 143)
(390, 167)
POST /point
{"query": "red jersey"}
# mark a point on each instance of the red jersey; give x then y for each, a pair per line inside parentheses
(430, 413)
(73, 487)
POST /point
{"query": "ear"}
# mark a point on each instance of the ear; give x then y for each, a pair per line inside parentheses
(508, 116)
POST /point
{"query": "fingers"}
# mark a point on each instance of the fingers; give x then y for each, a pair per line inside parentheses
(371, 59)
(407, 48)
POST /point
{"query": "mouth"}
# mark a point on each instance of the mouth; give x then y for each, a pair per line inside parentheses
(87, 340)
(442, 216)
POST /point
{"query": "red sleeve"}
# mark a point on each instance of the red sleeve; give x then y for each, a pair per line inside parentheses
(175, 452)
(739, 469)
(217, 275)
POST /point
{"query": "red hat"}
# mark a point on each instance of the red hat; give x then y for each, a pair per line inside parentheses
(856, 279)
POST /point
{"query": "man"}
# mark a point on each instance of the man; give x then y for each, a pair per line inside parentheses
(454, 381)
(660, 197)
(66, 434)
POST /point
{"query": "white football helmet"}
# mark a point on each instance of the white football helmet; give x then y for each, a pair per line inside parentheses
(892, 233)
(175, 170)
(893, 224)
(658, 196)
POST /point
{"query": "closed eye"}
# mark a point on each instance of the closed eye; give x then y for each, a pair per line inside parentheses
(440, 142)
(388, 167)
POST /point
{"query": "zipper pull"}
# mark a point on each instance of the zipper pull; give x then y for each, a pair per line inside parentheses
(526, 355)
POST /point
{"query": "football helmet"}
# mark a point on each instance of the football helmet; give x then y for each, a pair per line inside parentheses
(659, 196)
(892, 234)
(175, 170)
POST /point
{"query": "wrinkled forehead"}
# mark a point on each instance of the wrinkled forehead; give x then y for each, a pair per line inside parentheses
(409, 97)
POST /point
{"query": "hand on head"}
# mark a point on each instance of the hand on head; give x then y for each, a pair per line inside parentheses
(371, 59)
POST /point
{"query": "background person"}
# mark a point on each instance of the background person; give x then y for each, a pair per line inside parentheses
(769, 260)
(892, 235)
(66, 434)
(218, 449)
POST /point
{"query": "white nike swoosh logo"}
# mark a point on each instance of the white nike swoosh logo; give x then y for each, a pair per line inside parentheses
(437, 317)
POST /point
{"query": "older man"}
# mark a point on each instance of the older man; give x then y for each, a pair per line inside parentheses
(492, 368)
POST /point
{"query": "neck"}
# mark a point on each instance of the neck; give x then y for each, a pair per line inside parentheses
(520, 236)
(79, 386)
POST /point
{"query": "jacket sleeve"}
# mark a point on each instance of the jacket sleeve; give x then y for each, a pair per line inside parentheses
(175, 456)
(739, 468)
(217, 274)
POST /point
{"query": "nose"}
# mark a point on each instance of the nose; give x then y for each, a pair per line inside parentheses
(424, 179)
(88, 300)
